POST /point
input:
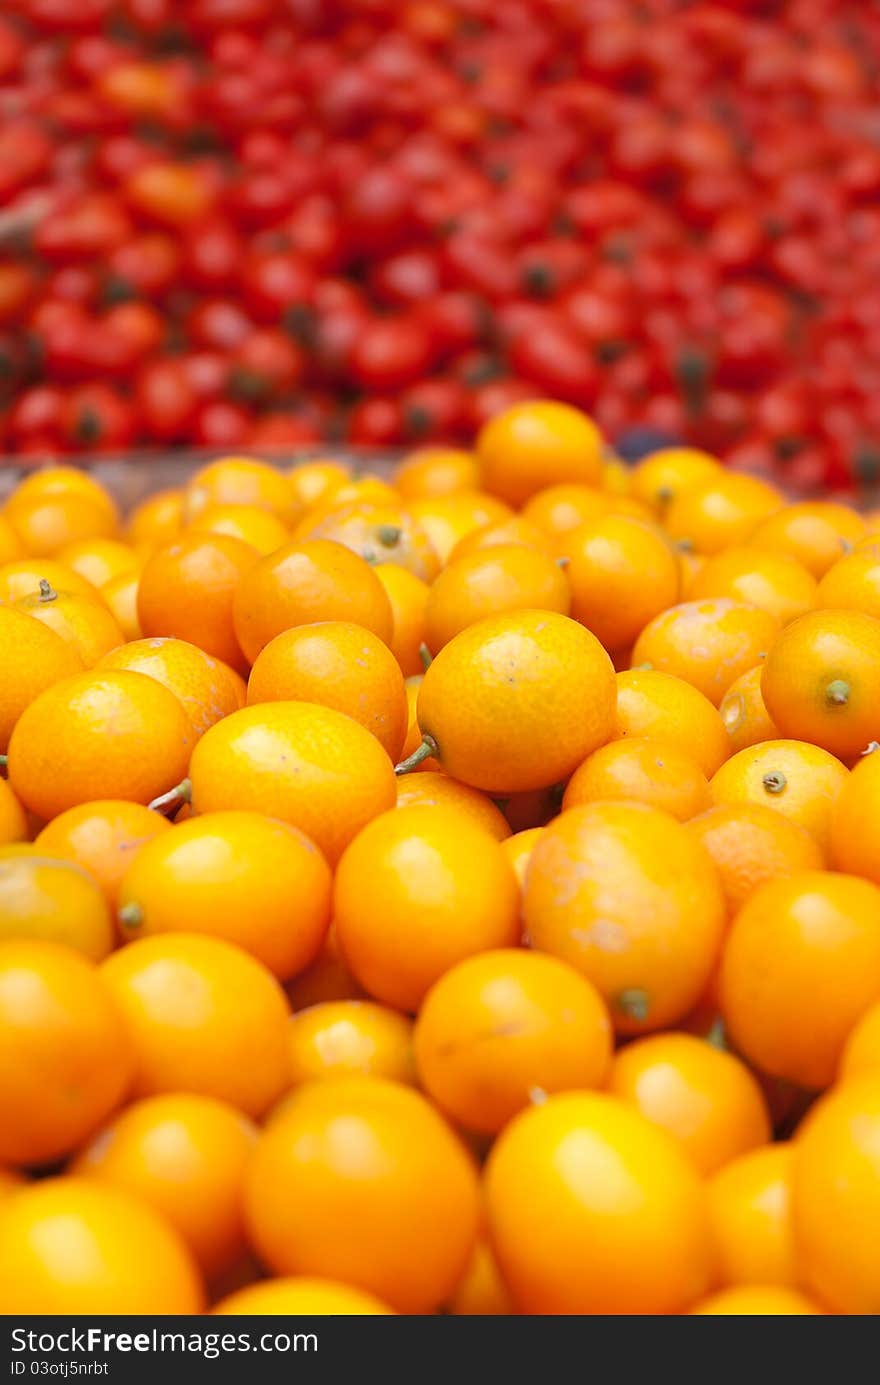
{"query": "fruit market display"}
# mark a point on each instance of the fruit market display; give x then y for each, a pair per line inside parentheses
(448, 891)
(258, 223)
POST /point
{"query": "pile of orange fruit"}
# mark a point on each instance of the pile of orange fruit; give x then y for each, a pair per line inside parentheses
(450, 892)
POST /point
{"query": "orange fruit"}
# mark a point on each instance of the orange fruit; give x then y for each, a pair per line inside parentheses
(187, 590)
(431, 471)
(662, 476)
(342, 1162)
(508, 577)
(690, 565)
(240, 876)
(516, 529)
(258, 528)
(239, 481)
(776, 583)
(13, 821)
(707, 643)
(46, 524)
(57, 506)
(503, 1025)
(800, 781)
(56, 902)
(836, 1197)
(10, 1182)
(100, 560)
(378, 533)
(202, 1017)
(821, 678)
(66, 1248)
(757, 1300)
(102, 837)
(806, 945)
(11, 546)
(310, 766)
(418, 890)
(516, 701)
(816, 532)
(300, 1297)
(408, 596)
(306, 582)
(615, 1218)
(641, 770)
(351, 1038)
(363, 489)
(328, 978)
(855, 833)
(750, 1213)
(704, 1097)
(861, 1053)
(447, 519)
(481, 1292)
(85, 738)
(431, 787)
(120, 594)
(852, 584)
(744, 714)
(622, 573)
(558, 510)
(518, 850)
(720, 512)
(336, 664)
(206, 688)
(156, 520)
(413, 740)
(616, 474)
(625, 894)
(536, 444)
(32, 659)
(84, 622)
(184, 1157)
(750, 844)
(65, 1059)
(661, 706)
(311, 483)
(64, 480)
(23, 578)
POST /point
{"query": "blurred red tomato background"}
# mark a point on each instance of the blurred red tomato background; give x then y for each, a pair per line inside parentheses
(272, 222)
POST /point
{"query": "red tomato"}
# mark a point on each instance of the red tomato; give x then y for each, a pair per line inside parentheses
(166, 399)
(220, 423)
(266, 366)
(95, 418)
(147, 264)
(276, 283)
(391, 352)
(90, 228)
(376, 422)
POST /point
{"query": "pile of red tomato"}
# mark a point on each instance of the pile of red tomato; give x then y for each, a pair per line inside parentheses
(269, 222)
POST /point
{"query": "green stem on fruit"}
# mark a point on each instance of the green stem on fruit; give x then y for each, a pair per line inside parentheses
(427, 748)
(775, 782)
(634, 1003)
(870, 748)
(131, 915)
(837, 693)
(47, 591)
(717, 1035)
(171, 802)
(426, 656)
(388, 535)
